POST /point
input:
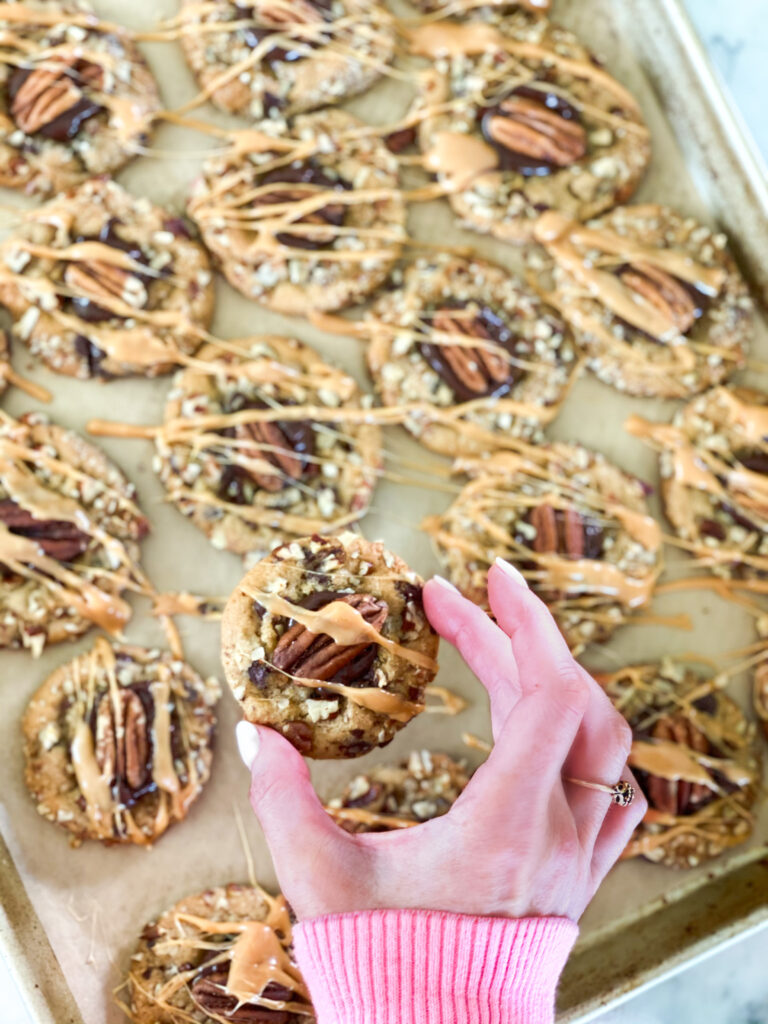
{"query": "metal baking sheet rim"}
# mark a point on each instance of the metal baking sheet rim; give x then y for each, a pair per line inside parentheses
(733, 178)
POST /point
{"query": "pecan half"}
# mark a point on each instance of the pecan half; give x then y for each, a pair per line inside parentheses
(209, 992)
(104, 282)
(676, 796)
(50, 100)
(534, 131)
(297, 12)
(123, 753)
(287, 445)
(278, 452)
(57, 538)
(472, 372)
(565, 532)
(317, 656)
(296, 182)
(663, 291)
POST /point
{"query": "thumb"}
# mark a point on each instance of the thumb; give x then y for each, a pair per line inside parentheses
(284, 800)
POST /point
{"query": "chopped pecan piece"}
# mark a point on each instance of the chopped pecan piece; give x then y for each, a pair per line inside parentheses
(57, 538)
(209, 991)
(663, 291)
(676, 796)
(315, 655)
(123, 753)
(534, 131)
(565, 532)
(49, 100)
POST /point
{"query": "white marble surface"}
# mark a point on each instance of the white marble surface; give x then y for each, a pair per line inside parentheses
(730, 987)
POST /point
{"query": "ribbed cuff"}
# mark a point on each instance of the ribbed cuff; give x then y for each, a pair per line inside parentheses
(427, 967)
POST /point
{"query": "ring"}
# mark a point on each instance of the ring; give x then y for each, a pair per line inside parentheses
(622, 794)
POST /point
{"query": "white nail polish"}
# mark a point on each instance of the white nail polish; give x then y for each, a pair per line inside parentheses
(512, 572)
(446, 583)
(248, 742)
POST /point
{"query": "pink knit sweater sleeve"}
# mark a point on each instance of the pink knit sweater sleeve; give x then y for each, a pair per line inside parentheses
(427, 967)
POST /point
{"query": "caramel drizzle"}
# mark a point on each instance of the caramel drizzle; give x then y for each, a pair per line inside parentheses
(259, 954)
(343, 624)
(697, 468)
(294, 35)
(128, 116)
(184, 603)
(27, 559)
(589, 579)
(566, 241)
(107, 815)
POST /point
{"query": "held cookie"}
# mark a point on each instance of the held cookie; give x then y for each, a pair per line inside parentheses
(714, 478)
(519, 117)
(695, 759)
(654, 298)
(395, 796)
(222, 955)
(303, 219)
(69, 533)
(256, 446)
(77, 97)
(326, 641)
(474, 349)
(576, 526)
(261, 59)
(102, 284)
(118, 743)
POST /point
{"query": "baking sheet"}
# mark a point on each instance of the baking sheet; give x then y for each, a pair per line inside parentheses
(93, 901)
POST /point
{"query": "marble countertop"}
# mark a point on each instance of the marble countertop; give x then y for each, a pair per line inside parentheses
(730, 987)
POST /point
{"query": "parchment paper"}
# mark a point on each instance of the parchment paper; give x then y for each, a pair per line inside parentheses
(93, 901)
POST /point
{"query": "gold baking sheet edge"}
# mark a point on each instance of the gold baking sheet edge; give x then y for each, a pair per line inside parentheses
(731, 176)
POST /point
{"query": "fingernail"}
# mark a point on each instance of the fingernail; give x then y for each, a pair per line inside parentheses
(248, 742)
(446, 583)
(512, 572)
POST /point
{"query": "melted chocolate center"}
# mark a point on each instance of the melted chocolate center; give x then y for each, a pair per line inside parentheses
(305, 173)
(253, 35)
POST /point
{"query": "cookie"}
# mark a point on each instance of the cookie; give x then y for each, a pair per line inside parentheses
(252, 477)
(575, 525)
(69, 533)
(222, 955)
(259, 59)
(468, 397)
(102, 284)
(76, 96)
(326, 641)
(394, 796)
(714, 478)
(303, 218)
(695, 760)
(118, 743)
(654, 298)
(518, 117)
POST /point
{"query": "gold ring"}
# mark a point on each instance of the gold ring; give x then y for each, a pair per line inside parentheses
(622, 793)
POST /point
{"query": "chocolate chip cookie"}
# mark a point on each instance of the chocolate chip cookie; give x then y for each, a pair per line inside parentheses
(284, 57)
(76, 95)
(69, 533)
(575, 525)
(102, 284)
(326, 641)
(714, 478)
(694, 756)
(118, 743)
(256, 445)
(221, 955)
(394, 796)
(655, 299)
(303, 218)
(518, 117)
(474, 352)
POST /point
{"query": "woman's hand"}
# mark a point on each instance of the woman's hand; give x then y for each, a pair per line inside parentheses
(520, 841)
